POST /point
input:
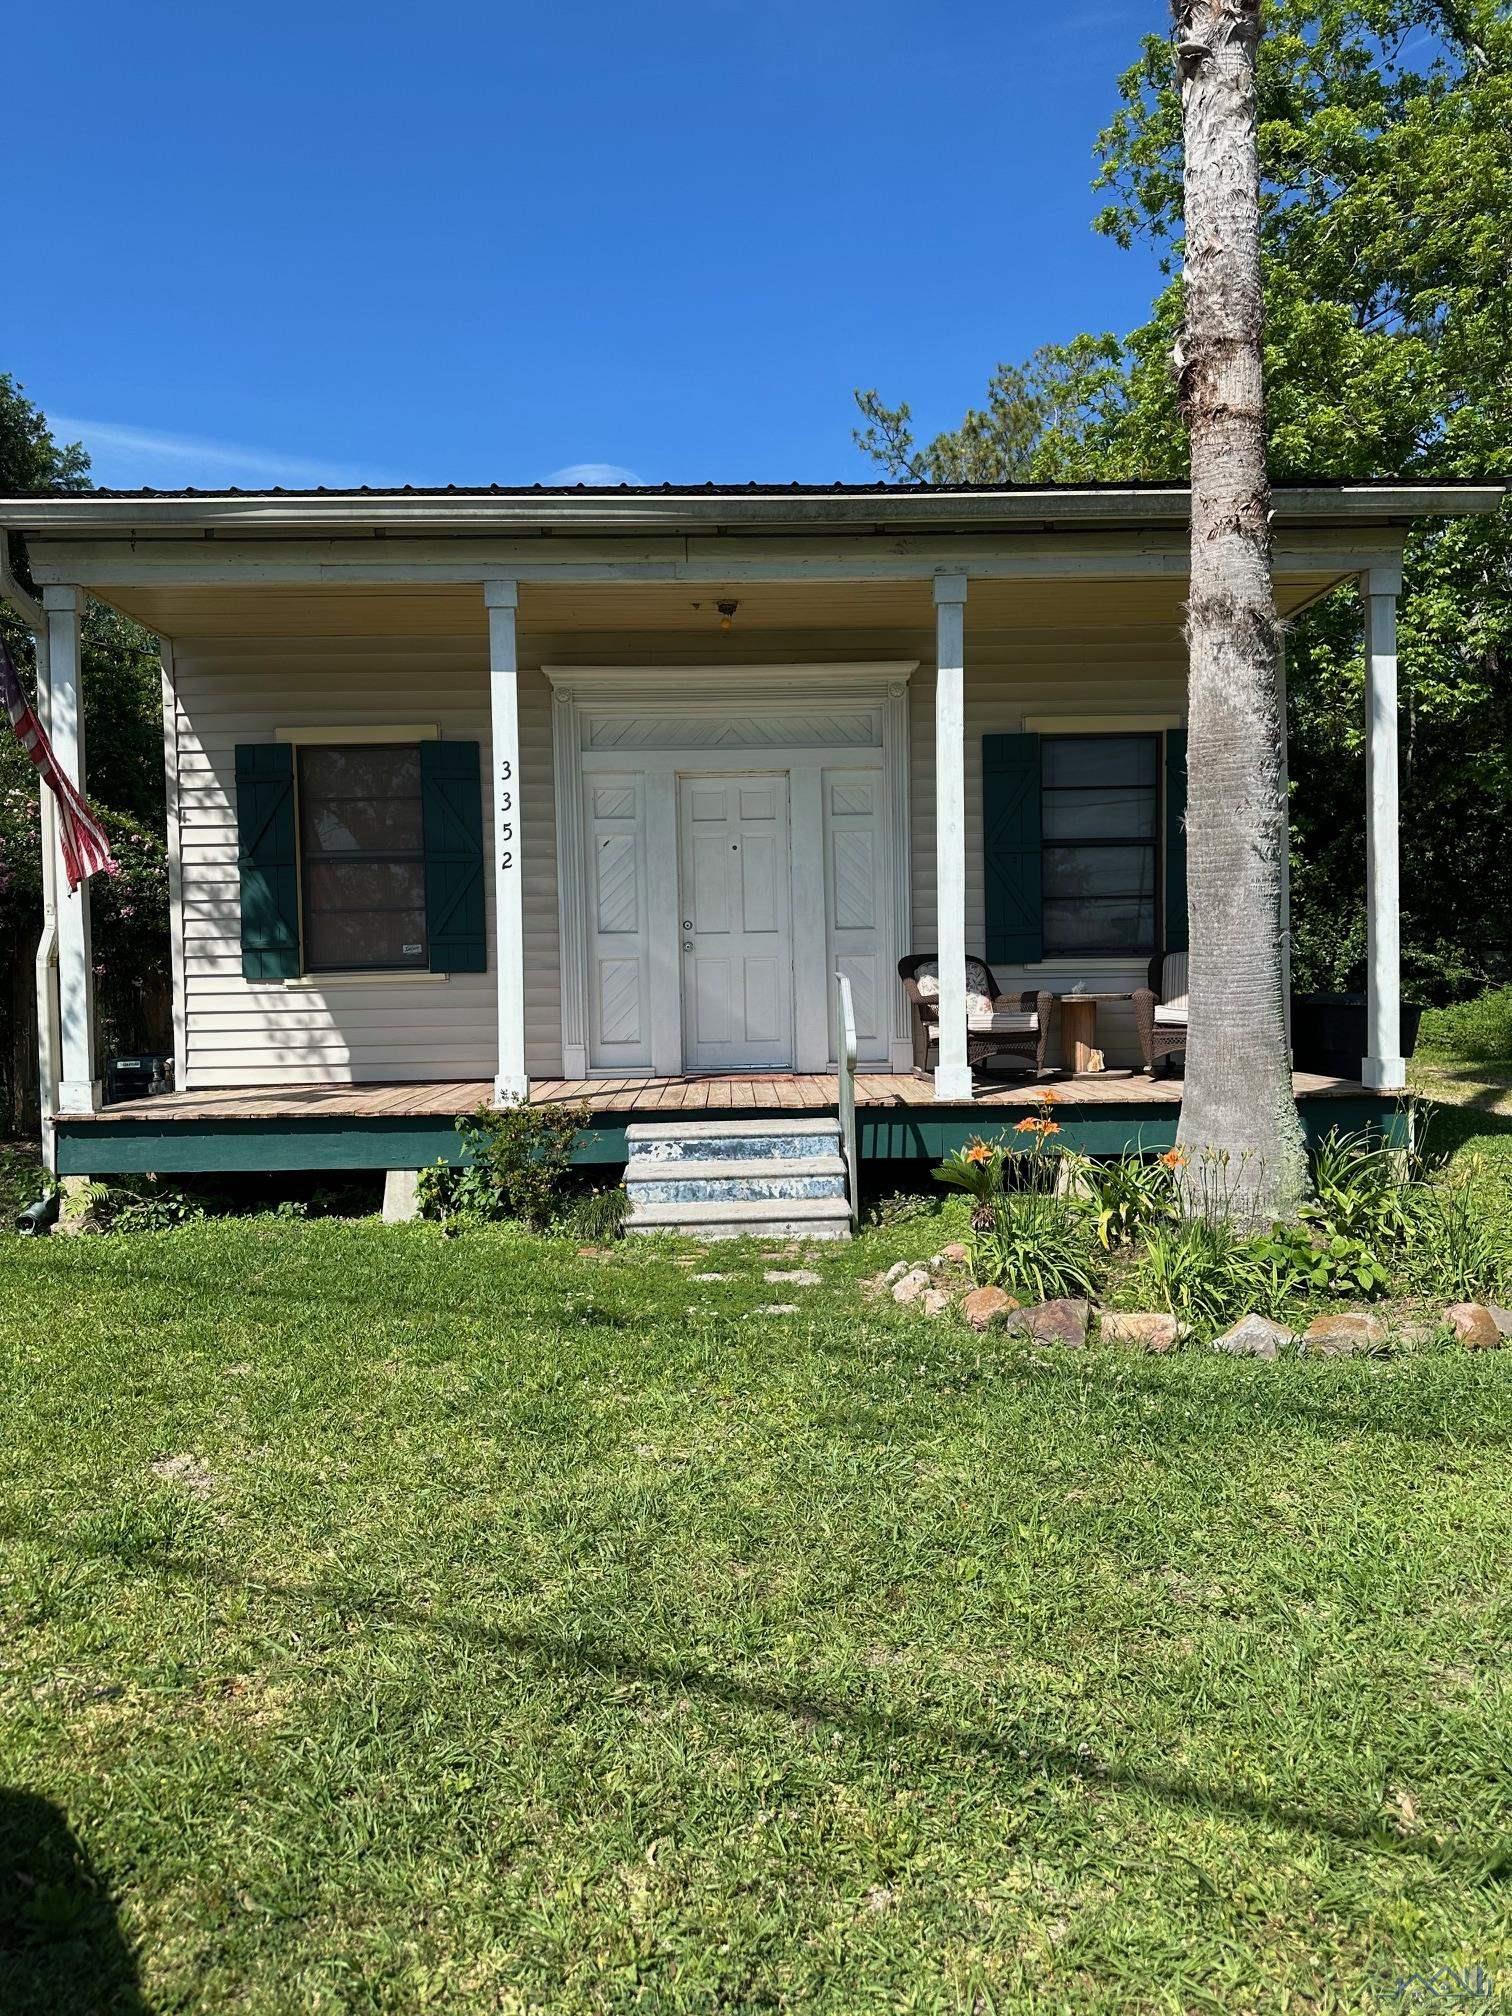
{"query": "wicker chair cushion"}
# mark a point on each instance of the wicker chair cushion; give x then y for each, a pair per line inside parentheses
(1173, 985)
(1002, 1022)
(1168, 1017)
(978, 985)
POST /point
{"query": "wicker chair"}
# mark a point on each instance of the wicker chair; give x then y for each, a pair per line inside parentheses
(1160, 1011)
(997, 1024)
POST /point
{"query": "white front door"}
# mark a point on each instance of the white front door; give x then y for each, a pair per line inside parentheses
(737, 945)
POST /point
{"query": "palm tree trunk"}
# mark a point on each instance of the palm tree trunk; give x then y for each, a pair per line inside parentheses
(1239, 1124)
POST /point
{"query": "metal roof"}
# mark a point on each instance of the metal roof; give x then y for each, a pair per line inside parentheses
(669, 506)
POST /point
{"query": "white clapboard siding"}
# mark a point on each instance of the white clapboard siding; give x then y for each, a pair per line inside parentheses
(244, 1033)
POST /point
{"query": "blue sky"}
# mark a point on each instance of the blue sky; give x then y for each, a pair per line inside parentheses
(335, 243)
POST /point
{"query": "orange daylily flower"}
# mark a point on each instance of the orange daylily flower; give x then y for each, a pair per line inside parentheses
(1047, 1093)
(979, 1152)
(1030, 1126)
(1047, 1127)
(1173, 1158)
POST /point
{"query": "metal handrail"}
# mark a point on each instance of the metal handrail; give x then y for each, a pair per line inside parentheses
(845, 1065)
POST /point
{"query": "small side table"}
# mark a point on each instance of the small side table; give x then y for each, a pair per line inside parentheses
(1078, 1031)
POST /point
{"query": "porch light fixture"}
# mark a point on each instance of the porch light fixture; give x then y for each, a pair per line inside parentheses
(727, 615)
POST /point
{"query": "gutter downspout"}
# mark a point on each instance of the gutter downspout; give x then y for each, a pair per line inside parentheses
(49, 1040)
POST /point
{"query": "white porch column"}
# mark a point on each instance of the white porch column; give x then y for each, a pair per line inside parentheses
(64, 716)
(502, 600)
(1383, 1067)
(952, 1078)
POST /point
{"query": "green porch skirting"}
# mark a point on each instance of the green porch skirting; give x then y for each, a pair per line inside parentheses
(134, 1146)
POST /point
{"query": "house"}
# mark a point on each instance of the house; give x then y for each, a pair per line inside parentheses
(590, 793)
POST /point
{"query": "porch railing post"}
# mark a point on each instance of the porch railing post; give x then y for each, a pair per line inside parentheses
(502, 601)
(952, 1078)
(1383, 1068)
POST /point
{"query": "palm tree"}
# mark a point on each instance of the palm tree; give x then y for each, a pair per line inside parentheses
(1239, 1124)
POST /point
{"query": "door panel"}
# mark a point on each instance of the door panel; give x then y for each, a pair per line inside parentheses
(855, 895)
(618, 975)
(737, 935)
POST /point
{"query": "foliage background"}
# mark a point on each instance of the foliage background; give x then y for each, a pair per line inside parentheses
(1387, 232)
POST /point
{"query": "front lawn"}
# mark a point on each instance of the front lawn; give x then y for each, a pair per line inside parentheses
(391, 1622)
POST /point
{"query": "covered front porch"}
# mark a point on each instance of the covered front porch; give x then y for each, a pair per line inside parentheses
(679, 758)
(899, 1118)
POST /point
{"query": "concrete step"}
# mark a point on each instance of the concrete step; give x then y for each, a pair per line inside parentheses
(730, 1140)
(694, 1181)
(753, 1217)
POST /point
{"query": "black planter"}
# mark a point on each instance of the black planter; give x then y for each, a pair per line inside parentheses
(1328, 1033)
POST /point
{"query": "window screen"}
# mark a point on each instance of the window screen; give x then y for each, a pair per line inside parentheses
(362, 859)
(1099, 813)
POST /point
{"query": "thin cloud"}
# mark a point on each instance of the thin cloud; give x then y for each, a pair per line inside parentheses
(123, 456)
(597, 475)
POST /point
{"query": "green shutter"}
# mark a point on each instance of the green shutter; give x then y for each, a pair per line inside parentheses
(1011, 848)
(267, 860)
(1175, 840)
(451, 795)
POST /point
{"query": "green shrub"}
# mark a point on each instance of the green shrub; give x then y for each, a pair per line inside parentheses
(596, 1216)
(1362, 1190)
(1290, 1260)
(517, 1165)
(1459, 1245)
(1201, 1271)
(1472, 1032)
(1127, 1198)
(1037, 1247)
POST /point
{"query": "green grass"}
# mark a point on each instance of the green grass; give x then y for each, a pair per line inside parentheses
(538, 1632)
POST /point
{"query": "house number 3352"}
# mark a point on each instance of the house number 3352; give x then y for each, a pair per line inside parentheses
(506, 809)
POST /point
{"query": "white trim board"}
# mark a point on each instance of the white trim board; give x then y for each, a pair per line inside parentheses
(336, 737)
(581, 693)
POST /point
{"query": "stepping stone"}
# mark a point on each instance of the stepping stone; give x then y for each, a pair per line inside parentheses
(777, 1309)
(711, 1277)
(801, 1277)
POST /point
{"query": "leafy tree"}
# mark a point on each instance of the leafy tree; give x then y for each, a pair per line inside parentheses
(1386, 223)
(123, 752)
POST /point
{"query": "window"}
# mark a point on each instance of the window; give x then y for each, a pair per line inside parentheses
(1099, 813)
(362, 858)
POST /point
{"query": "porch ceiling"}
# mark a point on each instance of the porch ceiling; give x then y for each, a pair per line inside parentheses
(456, 610)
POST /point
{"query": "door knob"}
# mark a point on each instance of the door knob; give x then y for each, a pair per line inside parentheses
(687, 944)
(687, 923)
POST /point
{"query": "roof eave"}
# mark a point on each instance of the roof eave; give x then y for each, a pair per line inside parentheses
(601, 511)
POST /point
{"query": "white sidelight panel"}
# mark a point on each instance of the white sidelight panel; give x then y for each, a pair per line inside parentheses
(619, 950)
(952, 1078)
(856, 902)
(78, 1091)
(1384, 1067)
(502, 601)
(737, 948)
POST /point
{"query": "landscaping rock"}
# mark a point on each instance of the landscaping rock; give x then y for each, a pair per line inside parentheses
(935, 1301)
(1146, 1329)
(1474, 1325)
(896, 1272)
(955, 1253)
(1502, 1318)
(1255, 1337)
(801, 1277)
(984, 1307)
(911, 1286)
(1063, 1321)
(1342, 1332)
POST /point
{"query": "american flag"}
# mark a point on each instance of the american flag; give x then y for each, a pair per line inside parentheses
(80, 834)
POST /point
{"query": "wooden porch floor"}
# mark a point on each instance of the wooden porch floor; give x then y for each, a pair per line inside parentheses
(643, 1097)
